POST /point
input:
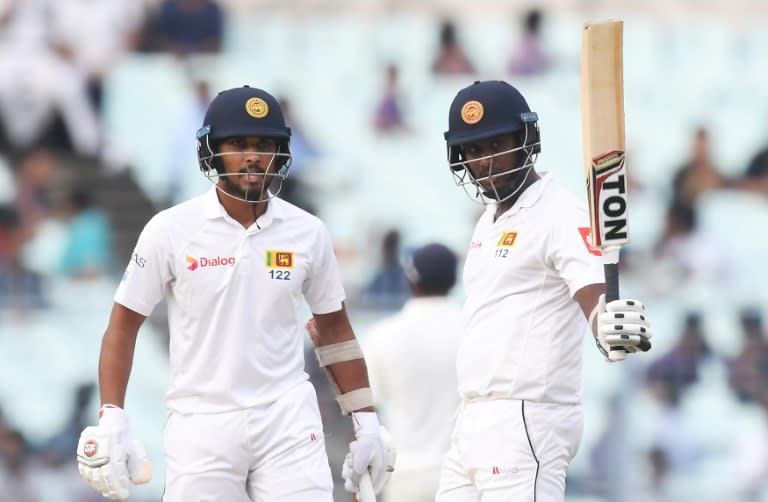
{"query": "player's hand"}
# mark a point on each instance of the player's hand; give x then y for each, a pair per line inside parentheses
(371, 451)
(108, 460)
(622, 326)
(312, 331)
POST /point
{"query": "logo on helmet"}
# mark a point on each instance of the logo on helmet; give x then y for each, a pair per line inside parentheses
(257, 107)
(472, 112)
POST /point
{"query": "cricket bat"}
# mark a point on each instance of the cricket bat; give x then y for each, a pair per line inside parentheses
(366, 492)
(602, 120)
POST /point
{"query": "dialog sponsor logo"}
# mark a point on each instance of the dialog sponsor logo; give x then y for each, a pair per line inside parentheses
(214, 261)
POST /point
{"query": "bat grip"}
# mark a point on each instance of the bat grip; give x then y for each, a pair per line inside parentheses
(366, 492)
(611, 281)
(612, 293)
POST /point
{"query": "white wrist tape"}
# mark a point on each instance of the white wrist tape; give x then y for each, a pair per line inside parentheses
(355, 400)
(338, 352)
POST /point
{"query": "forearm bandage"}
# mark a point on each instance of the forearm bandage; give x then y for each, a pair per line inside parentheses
(355, 400)
(337, 353)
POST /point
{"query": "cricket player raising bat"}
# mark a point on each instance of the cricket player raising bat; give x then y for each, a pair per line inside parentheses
(233, 265)
(532, 281)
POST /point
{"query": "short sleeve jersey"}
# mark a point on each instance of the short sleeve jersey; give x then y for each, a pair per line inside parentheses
(524, 330)
(234, 298)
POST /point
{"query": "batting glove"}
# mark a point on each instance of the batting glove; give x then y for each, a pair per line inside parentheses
(107, 460)
(622, 326)
(372, 450)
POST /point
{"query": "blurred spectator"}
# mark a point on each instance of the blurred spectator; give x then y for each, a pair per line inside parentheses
(88, 248)
(750, 461)
(59, 447)
(698, 174)
(15, 476)
(659, 483)
(451, 59)
(303, 153)
(36, 176)
(389, 288)
(686, 253)
(21, 289)
(748, 371)
(389, 115)
(43, 97)
(186, 27)
(679, 368)
(421, 342)
(755, 177)
(528, 57)
(182, 153)
(113, 30)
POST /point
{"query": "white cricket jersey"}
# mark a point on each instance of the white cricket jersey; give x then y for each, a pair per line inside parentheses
(523, 329)
(234, 298)
(411, 359)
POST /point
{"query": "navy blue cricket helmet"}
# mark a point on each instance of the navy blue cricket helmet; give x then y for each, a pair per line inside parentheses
(242, 111)
(481, 111)
(486, 109)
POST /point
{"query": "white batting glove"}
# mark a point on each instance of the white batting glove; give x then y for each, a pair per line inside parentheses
(372, 450)
(622, 326)
(107, 460)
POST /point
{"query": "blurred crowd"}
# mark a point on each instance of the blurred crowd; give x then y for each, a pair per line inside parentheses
(60, 221)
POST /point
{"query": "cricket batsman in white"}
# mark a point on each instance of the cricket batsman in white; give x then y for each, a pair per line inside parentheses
(532, 282)
(233, 265)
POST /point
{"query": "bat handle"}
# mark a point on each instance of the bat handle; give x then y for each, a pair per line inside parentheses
(612, 293)
(366, 492)
(611, 281)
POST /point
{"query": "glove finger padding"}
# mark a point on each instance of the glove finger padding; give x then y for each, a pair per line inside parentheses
(383, 465)
(628, 305)
(351, 478)
(139, 467)
(611, 328)
(625, 317)
(101, 461)
(631, 343)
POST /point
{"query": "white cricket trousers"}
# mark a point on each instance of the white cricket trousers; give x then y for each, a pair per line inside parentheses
(412, 484)
(269, 454)
(506, 450)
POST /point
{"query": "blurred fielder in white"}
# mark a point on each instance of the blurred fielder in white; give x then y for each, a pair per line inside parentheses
(233, 264)
(411, 358)
(531, 280)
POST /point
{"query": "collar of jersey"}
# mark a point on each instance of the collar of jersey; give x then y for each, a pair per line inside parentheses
(214, 209)
(529, 198)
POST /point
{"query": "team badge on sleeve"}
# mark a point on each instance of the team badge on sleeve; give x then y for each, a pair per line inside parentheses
(279, 259)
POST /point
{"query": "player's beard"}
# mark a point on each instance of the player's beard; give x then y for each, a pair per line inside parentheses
(258, 193)
(507, 183)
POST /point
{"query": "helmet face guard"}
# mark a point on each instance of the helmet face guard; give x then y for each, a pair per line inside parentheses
(241, 112)
(498, 184)
(482, 111)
